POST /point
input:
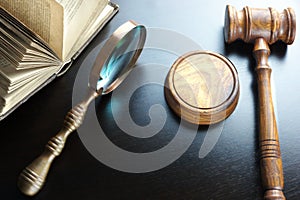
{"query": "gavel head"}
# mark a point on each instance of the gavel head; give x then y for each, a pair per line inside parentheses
(252, 23)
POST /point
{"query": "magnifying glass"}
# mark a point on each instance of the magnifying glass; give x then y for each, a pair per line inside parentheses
(113, 63)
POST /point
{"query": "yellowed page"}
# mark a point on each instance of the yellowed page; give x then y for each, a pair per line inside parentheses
(43, 17)
(9, 100)
(78, 15)
(90, 31)
(10, 76)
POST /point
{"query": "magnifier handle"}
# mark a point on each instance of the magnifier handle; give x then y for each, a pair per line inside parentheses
(32, 178)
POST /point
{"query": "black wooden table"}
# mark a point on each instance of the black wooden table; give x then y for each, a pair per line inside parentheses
(229, 171)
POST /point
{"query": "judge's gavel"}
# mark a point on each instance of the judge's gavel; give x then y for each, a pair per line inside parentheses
(263, 27)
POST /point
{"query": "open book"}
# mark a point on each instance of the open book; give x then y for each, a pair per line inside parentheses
(39, 39)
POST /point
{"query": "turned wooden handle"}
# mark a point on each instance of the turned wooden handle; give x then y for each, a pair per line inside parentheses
(34, 175)
(270, 157)
(32, 178)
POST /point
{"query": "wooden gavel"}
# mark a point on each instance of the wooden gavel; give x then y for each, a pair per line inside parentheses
(263, 27)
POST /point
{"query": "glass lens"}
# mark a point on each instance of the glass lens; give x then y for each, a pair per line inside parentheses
(121, 60)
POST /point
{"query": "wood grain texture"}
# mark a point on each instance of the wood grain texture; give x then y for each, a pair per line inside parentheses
(202, 87)
(263, 27)
(270, 163)
(251, 23)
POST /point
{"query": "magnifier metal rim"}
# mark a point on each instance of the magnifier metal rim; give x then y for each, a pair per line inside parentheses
(108, 49)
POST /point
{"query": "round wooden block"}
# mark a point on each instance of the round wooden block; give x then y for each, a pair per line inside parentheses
(202, 87)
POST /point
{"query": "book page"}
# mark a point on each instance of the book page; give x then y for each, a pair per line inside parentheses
(78, 15)
(92, 30)
(43, 17)
(9, 100)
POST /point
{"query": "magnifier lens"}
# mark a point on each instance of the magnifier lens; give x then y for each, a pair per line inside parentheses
(121, 59)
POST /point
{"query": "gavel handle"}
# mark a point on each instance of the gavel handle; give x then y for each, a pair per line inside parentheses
(270, 156)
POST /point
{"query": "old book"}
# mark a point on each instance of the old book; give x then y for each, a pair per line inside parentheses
(39, 39)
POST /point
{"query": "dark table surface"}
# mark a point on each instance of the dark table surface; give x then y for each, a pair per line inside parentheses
(229, 171)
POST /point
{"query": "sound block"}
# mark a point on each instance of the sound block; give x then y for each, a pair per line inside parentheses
(202, 87)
